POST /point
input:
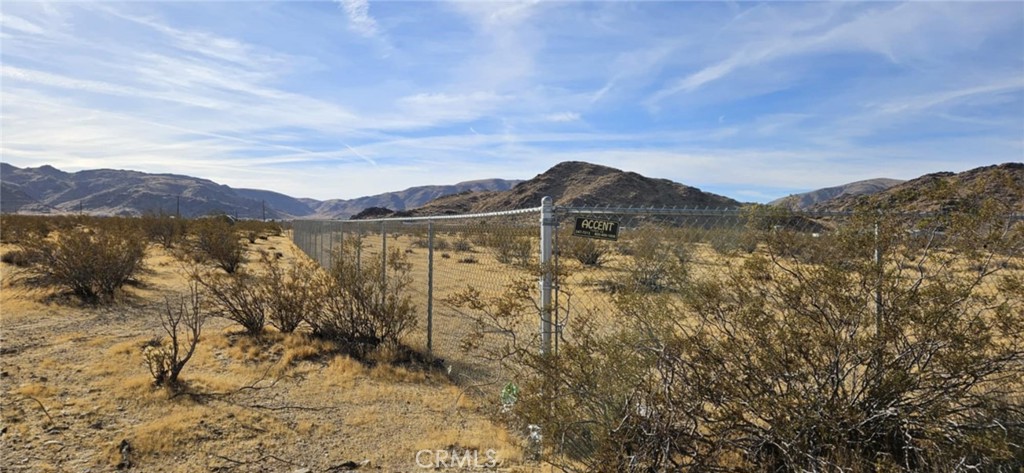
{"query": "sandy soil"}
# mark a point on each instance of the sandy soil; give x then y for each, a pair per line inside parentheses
(77, 395)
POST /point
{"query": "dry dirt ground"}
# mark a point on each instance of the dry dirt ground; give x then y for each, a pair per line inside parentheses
(77, 395)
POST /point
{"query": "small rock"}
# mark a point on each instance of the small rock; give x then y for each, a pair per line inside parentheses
(302, 470)
(98, 425)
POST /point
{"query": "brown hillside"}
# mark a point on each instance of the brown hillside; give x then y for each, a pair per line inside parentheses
(574, 183)
(945, 191)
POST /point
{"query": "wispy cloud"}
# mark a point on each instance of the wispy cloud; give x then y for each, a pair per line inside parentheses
(359, 19)
(759, 100)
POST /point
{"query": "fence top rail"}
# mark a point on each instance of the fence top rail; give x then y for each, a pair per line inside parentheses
(502, 213)
(733, 211)
(647, 211)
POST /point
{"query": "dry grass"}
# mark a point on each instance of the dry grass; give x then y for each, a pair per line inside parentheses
(279, 402)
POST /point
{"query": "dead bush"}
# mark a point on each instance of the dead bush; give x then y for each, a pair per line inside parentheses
(92, 263)
(182, 321)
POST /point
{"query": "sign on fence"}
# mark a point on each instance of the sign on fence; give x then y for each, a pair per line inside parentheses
(599, 228)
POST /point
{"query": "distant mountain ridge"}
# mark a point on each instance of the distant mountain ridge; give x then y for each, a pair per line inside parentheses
(807, 200)
(410, 198)
(119, 192)
(575, 183)
(941, 191)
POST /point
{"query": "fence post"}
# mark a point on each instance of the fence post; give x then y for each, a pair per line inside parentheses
(430, 287)
(547, 226)
(330, 245)
(318, 242)
(383, 258)
(878, 284)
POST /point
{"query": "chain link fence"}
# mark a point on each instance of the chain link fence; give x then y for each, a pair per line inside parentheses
(545, 278)
(445, 257)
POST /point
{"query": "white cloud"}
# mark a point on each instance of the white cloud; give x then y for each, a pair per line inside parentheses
(562, 117)
(359, 19)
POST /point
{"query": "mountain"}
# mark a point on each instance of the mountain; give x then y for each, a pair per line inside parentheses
(407, 199)
(808, 199)
(944, 191)
(118, 192)
(574, 183)
(13, 199)
(278, 201)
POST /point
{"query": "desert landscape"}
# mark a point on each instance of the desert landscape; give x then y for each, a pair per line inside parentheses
(78, 395)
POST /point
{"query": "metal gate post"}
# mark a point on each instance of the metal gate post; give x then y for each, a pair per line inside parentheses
(547, 227)
(430, 287)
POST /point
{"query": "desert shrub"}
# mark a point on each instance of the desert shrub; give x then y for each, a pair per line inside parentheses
(657, 262)
(467, 260)
(182, 321)
(216, 241)
(911, 362)
(92, 263)
(441, 244)
(291, 293)
(240, 297)
(257, 228)
(462, 245)
(18, 228)
(19, 258)
(587, 251)
(360, 307)
(165, 230)
(515, 250)
(732, 241)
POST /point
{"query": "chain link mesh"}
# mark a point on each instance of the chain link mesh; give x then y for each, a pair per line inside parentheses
(656, 252)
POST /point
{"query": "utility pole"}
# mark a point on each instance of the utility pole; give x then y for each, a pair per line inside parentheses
(177, 209)
(264, 211)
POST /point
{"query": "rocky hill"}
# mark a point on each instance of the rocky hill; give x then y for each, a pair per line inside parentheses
(944, 191)
(574, 183)
(809, 199)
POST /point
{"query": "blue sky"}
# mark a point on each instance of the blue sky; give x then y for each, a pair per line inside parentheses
(350, 98)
